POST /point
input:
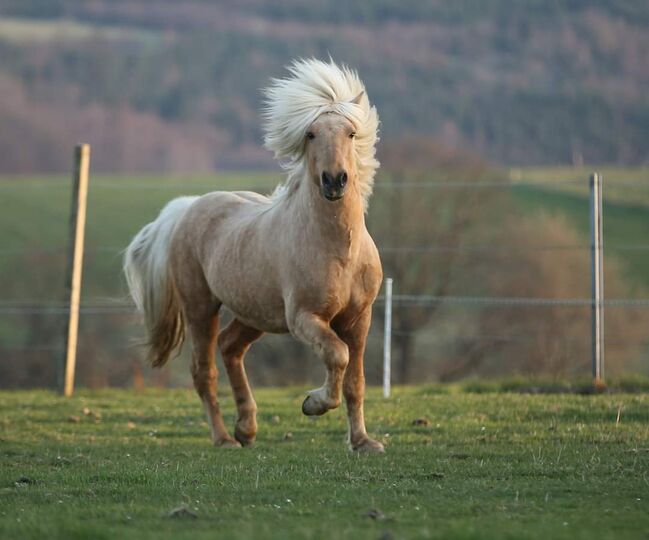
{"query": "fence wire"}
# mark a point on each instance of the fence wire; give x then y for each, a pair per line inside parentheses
(27, 307)
(486, 248)
(109, 307)
(385, 183)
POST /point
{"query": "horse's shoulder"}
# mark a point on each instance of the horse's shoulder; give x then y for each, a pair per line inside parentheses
(370, 272)
(369, 254)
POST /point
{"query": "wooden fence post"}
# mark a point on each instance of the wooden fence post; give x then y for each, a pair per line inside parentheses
(75, 261)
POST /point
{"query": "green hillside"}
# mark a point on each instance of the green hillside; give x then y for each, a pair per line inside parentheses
(33, 251)
(625, 206)
(33, 224)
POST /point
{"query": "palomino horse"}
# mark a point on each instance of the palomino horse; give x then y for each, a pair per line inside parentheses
(299, 261)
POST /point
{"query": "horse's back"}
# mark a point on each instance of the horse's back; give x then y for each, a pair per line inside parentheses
(226, 234)
(251, 196)
(216, 200)
(218, 207)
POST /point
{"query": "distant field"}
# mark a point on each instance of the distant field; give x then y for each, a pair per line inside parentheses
(626, 210)
(28, 31)
(485, 466)
(34, 226)
(620, 185)
(34, 221)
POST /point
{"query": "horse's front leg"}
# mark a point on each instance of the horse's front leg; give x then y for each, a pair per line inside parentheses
(315, 332)
(355, 337)
(233, 342)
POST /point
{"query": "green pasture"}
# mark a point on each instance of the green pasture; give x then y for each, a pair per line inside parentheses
(620, 184)
(34, 221)
(625, 210)
(34, 226)
(116, 464)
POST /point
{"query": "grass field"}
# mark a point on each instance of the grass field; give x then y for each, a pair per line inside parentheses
(489, 465)
(34, 234)
(625, 210)
(625, 226)
(620, 184)
(34, 221)
(34, 226)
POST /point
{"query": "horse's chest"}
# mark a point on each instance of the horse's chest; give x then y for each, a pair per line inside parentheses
(328, 288)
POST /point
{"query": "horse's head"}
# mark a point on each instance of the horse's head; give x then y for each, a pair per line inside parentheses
(330, 154)
(311, 120)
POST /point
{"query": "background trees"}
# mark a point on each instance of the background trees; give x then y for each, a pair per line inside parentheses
(526, 83)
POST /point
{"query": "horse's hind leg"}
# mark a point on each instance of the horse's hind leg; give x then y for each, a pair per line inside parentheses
(203, 323)
(233, 342)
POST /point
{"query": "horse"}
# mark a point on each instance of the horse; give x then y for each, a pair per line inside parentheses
(299, 261)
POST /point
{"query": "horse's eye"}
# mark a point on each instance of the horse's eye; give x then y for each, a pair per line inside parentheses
(310, 135)
(352, 135)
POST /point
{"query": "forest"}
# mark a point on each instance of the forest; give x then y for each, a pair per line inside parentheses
(162, 87)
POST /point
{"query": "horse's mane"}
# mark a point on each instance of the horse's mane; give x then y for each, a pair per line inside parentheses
(293, 103)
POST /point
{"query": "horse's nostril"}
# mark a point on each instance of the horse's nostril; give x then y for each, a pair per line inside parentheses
(342, 179)
(327, 179)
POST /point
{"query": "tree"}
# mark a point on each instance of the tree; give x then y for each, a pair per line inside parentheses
(420, 229)
(549, 340)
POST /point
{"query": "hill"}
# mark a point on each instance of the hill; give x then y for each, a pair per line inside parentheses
(625, 210)
(34, 224)
(161, 86)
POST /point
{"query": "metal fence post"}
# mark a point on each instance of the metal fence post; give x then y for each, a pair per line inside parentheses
(387, 338)
(597, 277)
(75, 262)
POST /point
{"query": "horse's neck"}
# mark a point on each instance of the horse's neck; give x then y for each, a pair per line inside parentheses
(337, 223)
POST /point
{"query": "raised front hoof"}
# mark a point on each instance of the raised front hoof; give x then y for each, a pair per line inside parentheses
(314, 406)
(246, 439)
(369, 446)
(227, 443)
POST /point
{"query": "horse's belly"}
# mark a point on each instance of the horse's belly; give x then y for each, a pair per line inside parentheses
(264, 312)
(271, 325)
(263, 318)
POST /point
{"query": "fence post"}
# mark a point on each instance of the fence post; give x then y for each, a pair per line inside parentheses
(75, 262)
(597, 278)
(387, 338)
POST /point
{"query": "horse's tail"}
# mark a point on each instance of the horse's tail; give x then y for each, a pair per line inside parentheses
(146, 267)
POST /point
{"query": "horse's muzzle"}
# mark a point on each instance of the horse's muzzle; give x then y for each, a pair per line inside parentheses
(333, 187)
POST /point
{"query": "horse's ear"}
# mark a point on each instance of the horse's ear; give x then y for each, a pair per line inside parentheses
(357, 99)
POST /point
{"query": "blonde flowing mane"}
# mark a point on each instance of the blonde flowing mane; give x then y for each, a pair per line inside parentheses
(293, 104)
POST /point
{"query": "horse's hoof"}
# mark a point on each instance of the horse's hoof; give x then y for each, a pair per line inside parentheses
(369, 446)
(313, 406)
(227, 443)
(246, 439)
